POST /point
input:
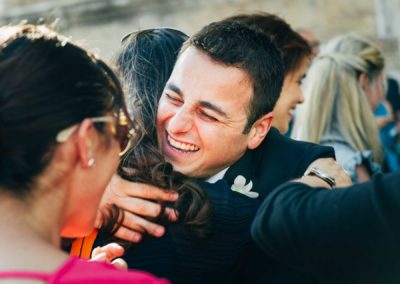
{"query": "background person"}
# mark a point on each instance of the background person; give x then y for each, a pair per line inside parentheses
(296, 55)
(311, 39)
(343, 87)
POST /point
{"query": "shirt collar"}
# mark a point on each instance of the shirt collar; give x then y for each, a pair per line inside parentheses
(218, 176)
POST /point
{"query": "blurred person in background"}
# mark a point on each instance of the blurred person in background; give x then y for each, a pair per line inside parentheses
(387, 115)
(311, 39)
(296, 56)
(345, 83)
(388, 132)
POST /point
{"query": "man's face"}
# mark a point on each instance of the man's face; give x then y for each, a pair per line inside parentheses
(202, 114)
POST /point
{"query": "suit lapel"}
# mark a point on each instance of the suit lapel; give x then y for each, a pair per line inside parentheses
(249, 164)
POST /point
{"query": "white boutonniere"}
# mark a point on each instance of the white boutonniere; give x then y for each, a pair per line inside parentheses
(239, 185)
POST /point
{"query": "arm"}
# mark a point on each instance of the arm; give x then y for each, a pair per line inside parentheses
(389, 117)
(138, 202)
(332, 234)
(332, 169)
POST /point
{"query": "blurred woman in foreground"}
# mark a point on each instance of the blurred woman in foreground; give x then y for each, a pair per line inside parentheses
(61, 115)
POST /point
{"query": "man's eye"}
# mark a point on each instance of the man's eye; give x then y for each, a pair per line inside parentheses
(173, 99)
(207, 116)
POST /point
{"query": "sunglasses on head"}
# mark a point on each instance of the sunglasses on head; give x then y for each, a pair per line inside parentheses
(125, 37)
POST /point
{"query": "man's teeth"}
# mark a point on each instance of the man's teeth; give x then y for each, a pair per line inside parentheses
(182, 146)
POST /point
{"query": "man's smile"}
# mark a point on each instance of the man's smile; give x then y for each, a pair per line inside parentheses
(181, 146)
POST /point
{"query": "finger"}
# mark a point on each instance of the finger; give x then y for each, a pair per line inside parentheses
(96, 251)
(152, 192)
(141, 225)
(171, 214)
(99, 257)
(128, 235)
(112, 250)
(146, 208)
(99, 219)
(126, 188)
(120, 263)
(139, 206)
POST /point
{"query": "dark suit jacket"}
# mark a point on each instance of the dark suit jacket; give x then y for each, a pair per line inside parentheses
(183, 258)
(276, 160)
(342, 236)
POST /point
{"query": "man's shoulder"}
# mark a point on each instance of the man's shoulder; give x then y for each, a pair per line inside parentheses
(277, 160)
(281, 152)
(276, 141)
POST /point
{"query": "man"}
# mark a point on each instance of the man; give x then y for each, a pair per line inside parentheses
(214, 119)
(340, 236)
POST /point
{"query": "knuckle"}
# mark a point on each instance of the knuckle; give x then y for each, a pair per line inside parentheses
(142, 207)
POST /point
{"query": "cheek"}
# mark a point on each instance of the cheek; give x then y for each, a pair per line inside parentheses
(163, 113)
(208, 133)
(281, 106)
(293, 94)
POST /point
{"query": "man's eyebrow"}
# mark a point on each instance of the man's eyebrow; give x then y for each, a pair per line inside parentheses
(205, 104)
(174, 88)
(213, 107)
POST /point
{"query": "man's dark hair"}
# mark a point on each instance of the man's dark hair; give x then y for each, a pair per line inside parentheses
(235, 44)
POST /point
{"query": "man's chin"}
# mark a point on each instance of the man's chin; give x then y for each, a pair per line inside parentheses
(187, 171)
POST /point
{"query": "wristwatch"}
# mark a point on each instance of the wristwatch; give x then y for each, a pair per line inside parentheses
(317, 172)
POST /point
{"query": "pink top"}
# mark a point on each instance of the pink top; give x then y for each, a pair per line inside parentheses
(76, 271)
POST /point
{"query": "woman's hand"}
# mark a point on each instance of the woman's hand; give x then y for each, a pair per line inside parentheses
(137, 202)
(109, 254)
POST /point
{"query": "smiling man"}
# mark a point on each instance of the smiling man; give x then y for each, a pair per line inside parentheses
(202, 119)
(214, 123)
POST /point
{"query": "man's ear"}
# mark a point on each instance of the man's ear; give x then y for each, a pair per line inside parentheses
(85, 140)
(259, 130)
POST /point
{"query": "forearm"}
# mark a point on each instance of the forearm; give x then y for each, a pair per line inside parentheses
(313, 229)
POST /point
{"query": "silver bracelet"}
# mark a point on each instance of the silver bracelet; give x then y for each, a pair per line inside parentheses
(317, 172)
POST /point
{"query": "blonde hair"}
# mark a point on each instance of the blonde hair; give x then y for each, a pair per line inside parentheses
(334, 98)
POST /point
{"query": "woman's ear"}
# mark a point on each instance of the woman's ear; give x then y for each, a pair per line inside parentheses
(364, 82)
(85, 139)
(259, 130)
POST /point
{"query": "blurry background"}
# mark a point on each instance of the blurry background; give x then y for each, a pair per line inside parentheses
(100, 24)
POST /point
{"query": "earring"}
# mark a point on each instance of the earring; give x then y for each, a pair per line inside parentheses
(90, 162)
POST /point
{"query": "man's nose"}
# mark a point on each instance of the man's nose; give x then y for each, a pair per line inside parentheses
(181, 122)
